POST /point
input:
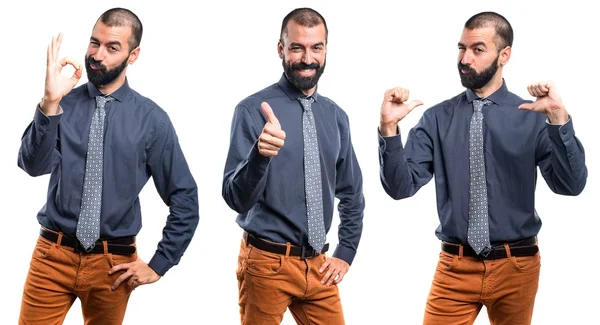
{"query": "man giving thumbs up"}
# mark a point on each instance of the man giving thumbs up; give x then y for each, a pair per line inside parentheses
(288, 160)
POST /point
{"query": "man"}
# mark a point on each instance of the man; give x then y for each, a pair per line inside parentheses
(483, 147)
(283, 171)
(101, 142)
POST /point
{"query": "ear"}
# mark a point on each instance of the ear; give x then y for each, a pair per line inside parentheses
(280, 49)
(504, 56)
(133, 56)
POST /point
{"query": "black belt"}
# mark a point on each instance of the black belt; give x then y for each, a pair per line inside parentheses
(119, 246)
(525, 247)
(303, 252)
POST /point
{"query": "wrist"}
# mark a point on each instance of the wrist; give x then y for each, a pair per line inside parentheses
(388, 129)
(559, 116)
(49, 107)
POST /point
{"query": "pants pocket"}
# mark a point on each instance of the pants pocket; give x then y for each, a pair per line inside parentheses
(264, 264)
(44, 248)
(527, 264)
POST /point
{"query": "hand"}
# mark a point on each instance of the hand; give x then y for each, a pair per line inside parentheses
(547, 101)
(336, 269)
(138, 273)
(57, 85)
(272, 136)
(394, 109)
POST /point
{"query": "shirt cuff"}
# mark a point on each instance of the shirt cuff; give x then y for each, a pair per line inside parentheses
(344, 253)
(257, 161)
(389, 143)
(561, 131)
(159, 264)
(45, 121)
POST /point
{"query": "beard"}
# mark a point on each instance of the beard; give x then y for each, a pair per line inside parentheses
(103, 76)
(302, 83)
(473, 80)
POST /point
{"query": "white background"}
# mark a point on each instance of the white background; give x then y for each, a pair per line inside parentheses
(199, 59)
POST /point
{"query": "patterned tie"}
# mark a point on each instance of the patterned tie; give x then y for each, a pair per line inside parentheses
(88, 226)
(312, 178)
(478, 234)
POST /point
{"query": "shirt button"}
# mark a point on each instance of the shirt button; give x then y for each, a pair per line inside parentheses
(564, 131)
(570, 155)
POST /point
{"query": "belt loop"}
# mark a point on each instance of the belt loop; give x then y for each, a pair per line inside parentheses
(288, 247)
(507, 248)
(245, 237)
(460, 250)
(59, 240)
(105, 244)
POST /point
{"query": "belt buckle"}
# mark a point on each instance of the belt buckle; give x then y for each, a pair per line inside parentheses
(304, 250)
(79, 249)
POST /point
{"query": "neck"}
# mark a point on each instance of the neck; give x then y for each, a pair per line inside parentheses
(112, 86)
(490, 87)
(309, 92)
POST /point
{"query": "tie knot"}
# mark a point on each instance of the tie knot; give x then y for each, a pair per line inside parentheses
(102, 100)
(306, 102)
(479, 103)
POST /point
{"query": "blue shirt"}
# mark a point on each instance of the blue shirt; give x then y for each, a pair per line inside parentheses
(139, 142)
(268, 193)
(515, 143)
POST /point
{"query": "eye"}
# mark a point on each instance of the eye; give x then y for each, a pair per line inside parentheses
(478, 50)
(295, 49)
(93, 44)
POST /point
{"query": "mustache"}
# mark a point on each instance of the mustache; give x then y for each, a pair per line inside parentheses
(99, 64)
(304, 66)
(466, 68)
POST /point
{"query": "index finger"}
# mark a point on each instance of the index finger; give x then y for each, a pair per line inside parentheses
(119, 267)
(266, 108)
(66, 60)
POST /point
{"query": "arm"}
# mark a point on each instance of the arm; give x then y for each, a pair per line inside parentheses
(559, 154)
(561, 159)
(349, 191)
(176, 186)
(403, 171)
(250, 152)
(38, 153)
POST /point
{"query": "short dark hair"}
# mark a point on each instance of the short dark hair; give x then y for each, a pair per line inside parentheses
(123, 17)
(504, 31)
(306, 17)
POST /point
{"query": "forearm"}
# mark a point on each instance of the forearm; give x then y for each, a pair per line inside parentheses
(38, 144)
(395, 173)
(178, 232)
(245, 181)
(567, 172)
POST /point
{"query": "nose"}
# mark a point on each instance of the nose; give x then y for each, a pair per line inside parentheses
(98, 54)
(307, 58)
(466, 58)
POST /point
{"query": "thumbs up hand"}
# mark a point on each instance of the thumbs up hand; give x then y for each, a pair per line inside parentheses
(272, 137)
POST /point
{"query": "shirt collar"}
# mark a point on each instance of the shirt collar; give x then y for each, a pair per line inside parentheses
(118, 94)
(291, 90)
(496, 97)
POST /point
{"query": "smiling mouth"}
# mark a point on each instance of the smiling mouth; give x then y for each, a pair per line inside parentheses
(305, 72)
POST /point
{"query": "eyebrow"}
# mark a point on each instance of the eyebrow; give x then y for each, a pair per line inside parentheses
(109, 43)
(473, 45)
(301, 45)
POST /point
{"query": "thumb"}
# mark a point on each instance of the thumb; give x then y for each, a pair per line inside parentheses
(526, 106)
(414, 104)
(269, 113)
